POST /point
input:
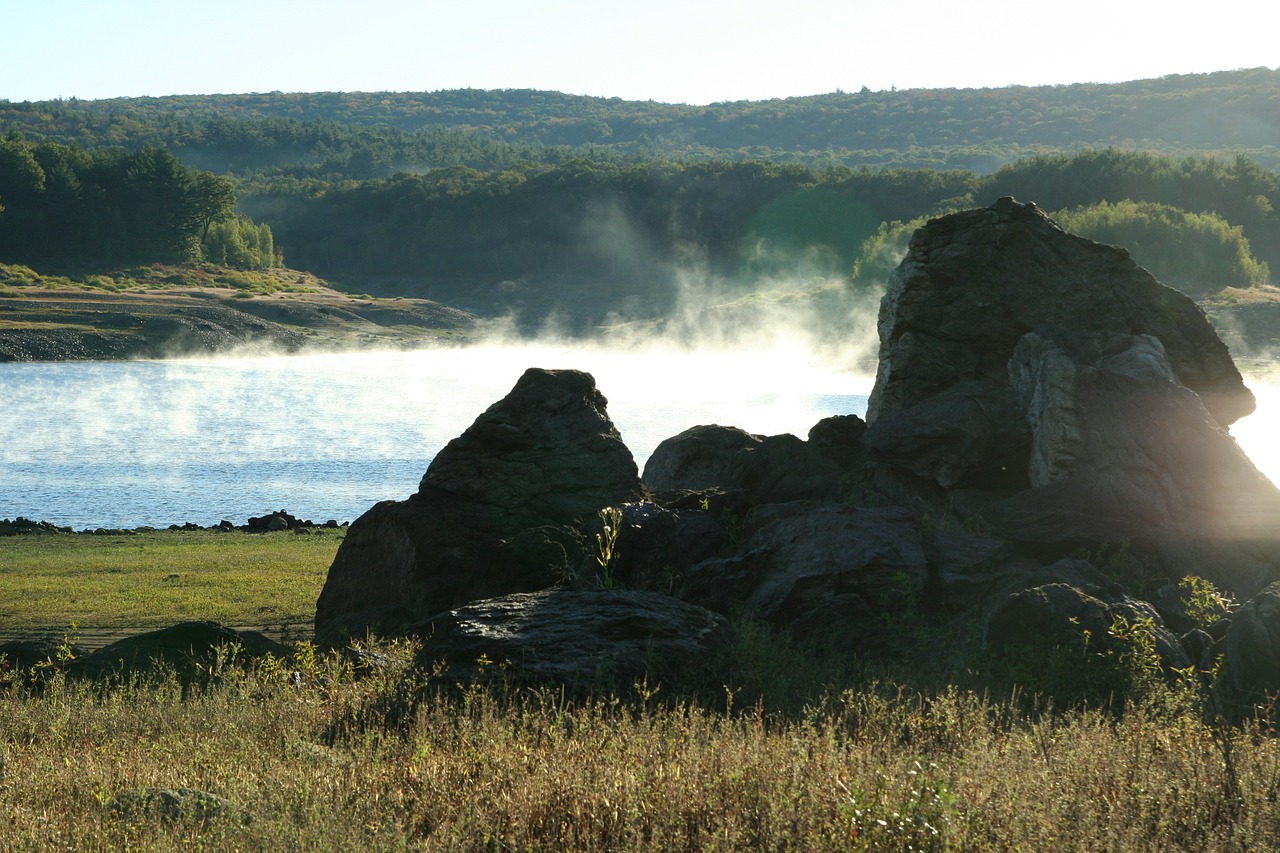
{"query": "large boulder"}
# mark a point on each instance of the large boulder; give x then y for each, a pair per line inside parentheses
(1251, 650)
(589, 638)
(190, 649)
(830, 573)
(749, 469)
(498, 511)
(971, 286)
(1059, 614)
(1121, 451)
(698, 458)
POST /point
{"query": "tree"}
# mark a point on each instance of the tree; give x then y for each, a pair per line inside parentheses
(213, 199)
(159, 208)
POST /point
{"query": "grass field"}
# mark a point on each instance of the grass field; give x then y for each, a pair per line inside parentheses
(49, 583)
(793, 751)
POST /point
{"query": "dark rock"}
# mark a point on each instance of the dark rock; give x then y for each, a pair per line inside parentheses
(656, 544)
(188, 648)
(971, 427)
(838, 431)
(971, 286)
(1251, 648)
(967, 568)
(1122, 452)
(545, 453)
(811, 568)
(1198, 644)
(24, 526)
(22, 655)
(698, 458)
(275, 522)
(1060, 614)
(1076, 573)
(500, 510)
(588, 638)
(751, 469)
(783, 468)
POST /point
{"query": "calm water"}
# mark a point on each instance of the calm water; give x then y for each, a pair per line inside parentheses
(127, 444)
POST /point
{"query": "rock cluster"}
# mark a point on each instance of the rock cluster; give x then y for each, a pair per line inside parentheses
(1041, 402)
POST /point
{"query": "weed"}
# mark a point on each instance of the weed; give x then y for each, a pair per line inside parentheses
(607, 544)
(1203, 603)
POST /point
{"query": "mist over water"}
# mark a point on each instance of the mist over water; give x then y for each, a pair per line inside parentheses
(154, 443)
(128, 444)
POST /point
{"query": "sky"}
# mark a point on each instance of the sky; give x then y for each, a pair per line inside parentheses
(678, 52)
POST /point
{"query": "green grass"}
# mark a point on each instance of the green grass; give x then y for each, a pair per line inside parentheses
(49, 582)
(166, 277)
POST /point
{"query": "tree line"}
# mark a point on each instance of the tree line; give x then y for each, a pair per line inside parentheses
(107, 205)
(378, 133)
(620, 228)
(618, 220)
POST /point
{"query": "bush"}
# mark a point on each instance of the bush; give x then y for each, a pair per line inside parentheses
(1198, 253)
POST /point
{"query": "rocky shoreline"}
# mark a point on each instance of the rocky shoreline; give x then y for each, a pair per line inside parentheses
(78, 324)
(267, 523)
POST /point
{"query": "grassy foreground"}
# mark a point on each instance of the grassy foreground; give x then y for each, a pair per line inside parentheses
(349, 751)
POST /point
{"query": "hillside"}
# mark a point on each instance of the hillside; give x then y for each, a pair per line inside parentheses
(378, 133)
(582, 212)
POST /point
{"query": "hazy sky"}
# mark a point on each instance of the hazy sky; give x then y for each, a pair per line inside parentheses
(691, 51)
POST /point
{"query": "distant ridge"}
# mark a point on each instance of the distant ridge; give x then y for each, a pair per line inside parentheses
(1236, 111)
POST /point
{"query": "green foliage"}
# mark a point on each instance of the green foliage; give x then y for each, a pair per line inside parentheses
(881, 253)
(364, 135)
(238, 242)
(436, 194)
(911, 816)
(1196, 253)
(1203, 603)
(1130, 660)
(1236, 190)
(104, 205)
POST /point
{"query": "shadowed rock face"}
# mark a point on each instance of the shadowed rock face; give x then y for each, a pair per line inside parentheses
(751, 469)
(1122, 452)
(547, 453)
(497, 512)
(971, 286)
(188, 647)
(1083, 400)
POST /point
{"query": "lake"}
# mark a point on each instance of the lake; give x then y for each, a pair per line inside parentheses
(154, 443)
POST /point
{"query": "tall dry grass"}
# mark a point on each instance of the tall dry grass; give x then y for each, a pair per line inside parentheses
(365, 752)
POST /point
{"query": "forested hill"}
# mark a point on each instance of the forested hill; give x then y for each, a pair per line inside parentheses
(531, 205)
(973, 129)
